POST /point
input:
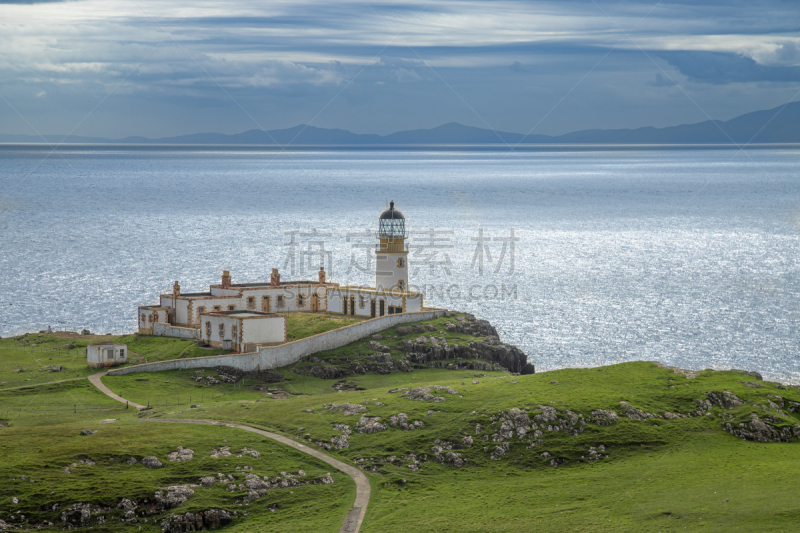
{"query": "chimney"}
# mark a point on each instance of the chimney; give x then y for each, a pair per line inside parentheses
(176, 289)
(322, 274)
(275, 278)
(226, 279)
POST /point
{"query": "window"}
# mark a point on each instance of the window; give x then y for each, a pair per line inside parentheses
(217, 308)
(265, 304)
(251, 302)
(200, 311)
(222, 331)
(300, 300)
(361, 302)
(109, 354)
(122, 353)
(208, 329)
(234, 332)
(395, 309)
(144, 318)
(280, 301)
(231, 308)
(401, 285)
(401, 262)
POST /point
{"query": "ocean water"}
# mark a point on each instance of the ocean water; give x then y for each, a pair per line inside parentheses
(684, 256)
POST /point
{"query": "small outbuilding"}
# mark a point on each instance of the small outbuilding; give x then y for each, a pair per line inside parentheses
(100, 355)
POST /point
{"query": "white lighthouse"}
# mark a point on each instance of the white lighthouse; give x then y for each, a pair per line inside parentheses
(391, 256)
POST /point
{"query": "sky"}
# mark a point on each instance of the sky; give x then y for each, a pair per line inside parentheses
(115, 68)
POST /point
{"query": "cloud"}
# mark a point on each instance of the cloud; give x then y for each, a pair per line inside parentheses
(41, 94)
(403, 75)
(724, 68)
(661, 81)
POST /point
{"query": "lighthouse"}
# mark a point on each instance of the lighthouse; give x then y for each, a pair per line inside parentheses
(391, 256)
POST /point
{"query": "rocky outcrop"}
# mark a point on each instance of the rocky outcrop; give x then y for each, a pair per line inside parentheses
(212, 519)
(423, 350)
(370, 424)
(725, 399)
(329, 372)
(604, 417)
(757, 430)
(424, 393)
(151, 462)
(347, 409)
(183, 454)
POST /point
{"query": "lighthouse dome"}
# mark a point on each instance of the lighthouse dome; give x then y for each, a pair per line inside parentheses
(392, 224)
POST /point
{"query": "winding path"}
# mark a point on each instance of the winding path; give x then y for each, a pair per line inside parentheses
(353, 520)
(41, 384)
(95, 380)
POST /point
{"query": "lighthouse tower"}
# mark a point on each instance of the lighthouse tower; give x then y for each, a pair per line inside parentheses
(391, 257)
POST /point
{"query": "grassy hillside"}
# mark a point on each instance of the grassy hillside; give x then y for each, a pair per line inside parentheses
(629, 447)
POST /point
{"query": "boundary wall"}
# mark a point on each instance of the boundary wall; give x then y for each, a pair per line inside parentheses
(165, 330)
(285, 354)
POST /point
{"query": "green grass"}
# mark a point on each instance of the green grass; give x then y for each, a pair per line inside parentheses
(35, 353)
(661, 474)
(684, 474)
(302, 325)
(43, 453)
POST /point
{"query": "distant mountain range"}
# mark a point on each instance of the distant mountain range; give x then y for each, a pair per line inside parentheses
(769, 126)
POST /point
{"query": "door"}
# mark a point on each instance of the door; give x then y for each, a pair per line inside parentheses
(315, 302)
(265, 305)
(344, 305)
(382, 307)
(352, 305)
(372, 308)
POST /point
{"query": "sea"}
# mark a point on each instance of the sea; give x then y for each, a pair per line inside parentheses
(581, 256)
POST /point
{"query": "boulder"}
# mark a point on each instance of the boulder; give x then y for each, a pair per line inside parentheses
(211, 519)
(183, 454)
(86, 432)
(403, 330)
(725, 399)
(151, 462)
(329, 372)
(604, 417)
(759, 431)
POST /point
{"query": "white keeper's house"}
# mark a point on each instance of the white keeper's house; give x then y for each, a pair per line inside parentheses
(268, 298)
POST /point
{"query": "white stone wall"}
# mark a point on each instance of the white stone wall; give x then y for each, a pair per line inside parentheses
(291, 352)
(264, 330)
(166, 330)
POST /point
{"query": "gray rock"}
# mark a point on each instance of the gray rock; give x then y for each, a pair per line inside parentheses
(725, 399)
(86, 432)
(759, 431)
(370, 424)
(212, 519)
(329, 372)
(183, 454)
(151, 462)
(604, 417)
(750, 373)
